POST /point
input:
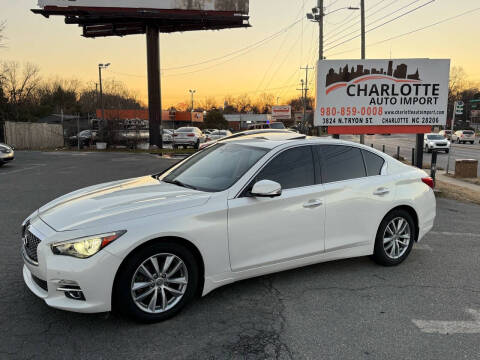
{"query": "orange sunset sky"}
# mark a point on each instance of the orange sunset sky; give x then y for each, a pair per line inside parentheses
(271, 67)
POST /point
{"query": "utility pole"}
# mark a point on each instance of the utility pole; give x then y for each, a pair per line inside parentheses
(320, 26)
(102, 103)
(362, 15)
(317, 15)
(305, 93)
(192, 92)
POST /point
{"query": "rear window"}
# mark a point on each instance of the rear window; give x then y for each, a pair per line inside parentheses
(277, 125)
(185, 130)
(374, 163)
(468, 132)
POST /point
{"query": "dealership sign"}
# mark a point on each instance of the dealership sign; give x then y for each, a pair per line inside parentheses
(282, 112)
(401, 92)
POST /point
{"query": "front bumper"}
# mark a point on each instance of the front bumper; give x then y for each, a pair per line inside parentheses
(438, 147)
(4, 157)
(95, 276)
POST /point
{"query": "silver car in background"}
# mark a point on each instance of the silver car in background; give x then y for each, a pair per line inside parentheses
(188, 136)
(7, 154)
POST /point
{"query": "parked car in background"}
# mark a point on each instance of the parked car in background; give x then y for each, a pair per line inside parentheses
(277, 125)
(447, 134)
(188, 136)
(274, 125)
(7, 154)
(436, 142)
(86, 138)
(218, 134)
(464, 136)
(167, 136)
(209, 131)
(148, 246)
(251, 133)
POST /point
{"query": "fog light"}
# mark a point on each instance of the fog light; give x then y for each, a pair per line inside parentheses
(71, 289)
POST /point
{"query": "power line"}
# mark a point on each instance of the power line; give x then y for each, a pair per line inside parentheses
(335, 35)
(256, 44)
(381, 25)
(373, 22)
(413, 31)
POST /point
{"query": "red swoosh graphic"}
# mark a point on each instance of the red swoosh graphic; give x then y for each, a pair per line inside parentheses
(371, 77)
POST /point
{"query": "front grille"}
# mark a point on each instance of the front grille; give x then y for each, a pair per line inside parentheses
(441, 144)
(40, 282)
(30, 245)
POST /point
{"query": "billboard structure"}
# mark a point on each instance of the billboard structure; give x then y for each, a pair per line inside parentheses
(404, 95)
(151, 17)
(126, 17)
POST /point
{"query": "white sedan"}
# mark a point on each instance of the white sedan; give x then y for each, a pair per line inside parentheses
(218, 134)
(436, 142)
(188, 136)
(147, 246)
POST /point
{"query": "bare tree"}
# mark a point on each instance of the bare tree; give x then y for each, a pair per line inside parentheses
(20, 82)
(3, 25)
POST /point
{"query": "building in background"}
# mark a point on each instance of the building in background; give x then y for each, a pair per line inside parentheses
(170, 119)
(239, 122)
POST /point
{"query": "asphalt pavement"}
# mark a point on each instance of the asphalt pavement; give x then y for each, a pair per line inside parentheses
(427, 308)
(407, 142)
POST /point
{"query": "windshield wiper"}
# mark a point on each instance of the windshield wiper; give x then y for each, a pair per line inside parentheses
(179, 183)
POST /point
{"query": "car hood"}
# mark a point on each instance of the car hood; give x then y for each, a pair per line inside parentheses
(118, 201)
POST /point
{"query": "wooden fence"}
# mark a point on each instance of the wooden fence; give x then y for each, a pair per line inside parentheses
(33, 136)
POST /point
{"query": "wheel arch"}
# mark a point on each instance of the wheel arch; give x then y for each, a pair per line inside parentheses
(413, 213)
(169, 239)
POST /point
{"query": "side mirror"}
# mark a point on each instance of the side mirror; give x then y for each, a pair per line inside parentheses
(266, 188)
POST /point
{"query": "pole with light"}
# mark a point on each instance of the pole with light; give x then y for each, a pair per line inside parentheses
(317, 15)
(102, 103)
(192, 92)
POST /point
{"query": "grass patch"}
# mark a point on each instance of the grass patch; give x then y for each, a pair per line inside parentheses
(449, 191)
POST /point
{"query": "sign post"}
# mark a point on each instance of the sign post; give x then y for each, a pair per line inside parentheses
(457, 110)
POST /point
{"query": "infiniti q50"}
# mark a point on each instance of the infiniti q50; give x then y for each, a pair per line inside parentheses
(238, 209)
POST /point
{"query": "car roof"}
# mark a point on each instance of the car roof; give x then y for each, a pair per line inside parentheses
(272, 142)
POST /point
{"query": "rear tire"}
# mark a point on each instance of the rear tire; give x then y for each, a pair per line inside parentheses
(167, 303)
(395, 237)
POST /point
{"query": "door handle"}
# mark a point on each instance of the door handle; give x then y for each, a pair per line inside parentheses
(313, 204)
(381, 191)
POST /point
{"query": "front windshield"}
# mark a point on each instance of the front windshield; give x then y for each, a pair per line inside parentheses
(277, 126)
(216, 168)
(435, 137)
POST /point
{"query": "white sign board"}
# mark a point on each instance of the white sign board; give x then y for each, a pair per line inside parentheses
(382, 92)
(281, 112)
(240, 6)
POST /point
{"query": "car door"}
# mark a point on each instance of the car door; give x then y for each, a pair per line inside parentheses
(270, 230)
(358, 194)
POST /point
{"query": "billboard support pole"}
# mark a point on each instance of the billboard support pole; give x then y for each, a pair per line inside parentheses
(419, 151)
(362, 16)
(154, 86)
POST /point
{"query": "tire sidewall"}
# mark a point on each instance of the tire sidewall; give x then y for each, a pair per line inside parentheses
(122, 299)
(380, 255)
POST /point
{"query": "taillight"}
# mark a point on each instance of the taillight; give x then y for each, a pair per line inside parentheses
(428, 181)
(191, 135)
(174, 135)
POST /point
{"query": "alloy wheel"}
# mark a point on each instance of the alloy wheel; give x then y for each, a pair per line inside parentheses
(396, 238)
(159, 283)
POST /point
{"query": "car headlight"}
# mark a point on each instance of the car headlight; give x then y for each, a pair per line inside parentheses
(85, 247)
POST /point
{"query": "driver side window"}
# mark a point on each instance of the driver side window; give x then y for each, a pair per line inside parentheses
(293, 168)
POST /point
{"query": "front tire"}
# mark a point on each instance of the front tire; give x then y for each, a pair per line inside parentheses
(395, 238)
(156, 282)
